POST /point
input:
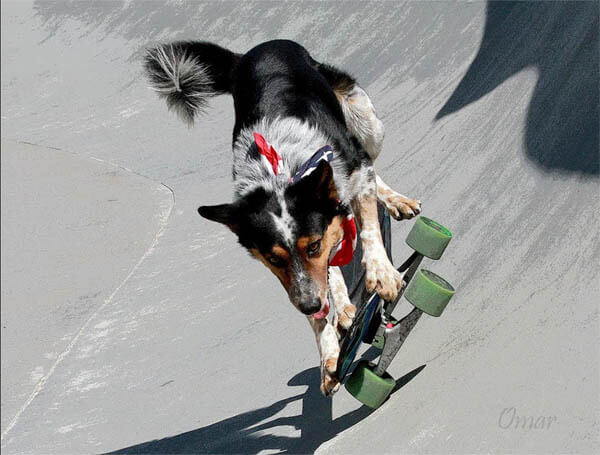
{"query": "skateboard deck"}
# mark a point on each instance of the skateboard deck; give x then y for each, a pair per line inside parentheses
(356, 335)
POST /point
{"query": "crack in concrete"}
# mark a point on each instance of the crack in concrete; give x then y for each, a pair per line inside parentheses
(163, 223)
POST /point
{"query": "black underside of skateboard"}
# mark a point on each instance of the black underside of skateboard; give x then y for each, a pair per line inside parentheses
(374, 324)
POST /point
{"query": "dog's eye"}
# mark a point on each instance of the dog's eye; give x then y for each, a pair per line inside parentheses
(274, 260)
(314, 247)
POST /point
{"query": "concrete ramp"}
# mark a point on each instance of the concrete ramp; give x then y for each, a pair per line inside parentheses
(73, 231)
(491, 114)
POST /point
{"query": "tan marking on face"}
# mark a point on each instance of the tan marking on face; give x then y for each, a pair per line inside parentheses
(316, 265)
(282, 273)
(280, 252)
(303, 242)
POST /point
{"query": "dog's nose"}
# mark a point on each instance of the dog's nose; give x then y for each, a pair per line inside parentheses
(310, 306)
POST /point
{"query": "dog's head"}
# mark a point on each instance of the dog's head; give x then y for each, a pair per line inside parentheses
(292, 231)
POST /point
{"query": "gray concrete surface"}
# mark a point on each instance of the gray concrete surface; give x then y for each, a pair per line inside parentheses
(72, 229)
(492, 121)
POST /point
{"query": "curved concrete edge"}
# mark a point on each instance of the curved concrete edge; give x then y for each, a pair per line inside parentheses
(54, 204)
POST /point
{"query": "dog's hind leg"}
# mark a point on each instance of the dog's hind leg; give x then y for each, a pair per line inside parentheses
(359, 112)
(362, 121)
(398, 205)
(344, 311)
(329, 350)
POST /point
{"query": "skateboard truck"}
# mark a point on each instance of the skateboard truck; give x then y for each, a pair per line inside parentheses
(391, 332)
(374, 323)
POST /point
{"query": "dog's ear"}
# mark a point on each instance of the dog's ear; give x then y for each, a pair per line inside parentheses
(319, 183)
(226, 214)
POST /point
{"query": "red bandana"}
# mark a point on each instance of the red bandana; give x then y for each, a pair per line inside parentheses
(345, 250)
(270, 157)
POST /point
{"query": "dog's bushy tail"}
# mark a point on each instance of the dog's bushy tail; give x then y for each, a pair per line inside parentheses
(187, 73)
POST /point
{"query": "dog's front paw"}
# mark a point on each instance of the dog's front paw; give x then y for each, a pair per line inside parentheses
(329, 381)
(343, 319)
(381, 276)
(346, 316)
(344, 310)
(401, 207)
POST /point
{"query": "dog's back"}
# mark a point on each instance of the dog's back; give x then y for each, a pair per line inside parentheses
(280, 79)
(275, 81)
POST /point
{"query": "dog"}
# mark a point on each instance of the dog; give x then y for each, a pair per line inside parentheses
(304, 142)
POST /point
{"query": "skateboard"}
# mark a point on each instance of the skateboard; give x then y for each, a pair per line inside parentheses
(374, 324)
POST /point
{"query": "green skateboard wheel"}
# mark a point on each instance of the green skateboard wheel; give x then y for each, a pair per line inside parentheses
(428, 238)
(368, 388)
(429, 292)
(378, 342)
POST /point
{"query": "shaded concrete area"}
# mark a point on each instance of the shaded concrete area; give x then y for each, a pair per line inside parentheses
(560, 41)
(246, 432)
(199, 349)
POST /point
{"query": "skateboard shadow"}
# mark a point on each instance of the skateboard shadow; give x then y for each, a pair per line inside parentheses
(249, 432)
(559, 39)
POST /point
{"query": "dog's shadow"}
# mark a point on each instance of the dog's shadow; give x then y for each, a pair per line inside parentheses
(249, 432)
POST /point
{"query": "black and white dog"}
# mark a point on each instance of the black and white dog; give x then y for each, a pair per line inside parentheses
(304, 141)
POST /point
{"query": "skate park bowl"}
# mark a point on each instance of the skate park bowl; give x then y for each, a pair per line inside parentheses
(132, 325)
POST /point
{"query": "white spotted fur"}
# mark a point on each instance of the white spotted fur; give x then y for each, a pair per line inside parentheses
(284, 222)
(381, 276)
(362, 120)
(344, 310)
(295, 140)
(329, 350)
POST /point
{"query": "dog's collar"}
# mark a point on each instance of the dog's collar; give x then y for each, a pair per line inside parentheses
(273, 161)
(344, 251)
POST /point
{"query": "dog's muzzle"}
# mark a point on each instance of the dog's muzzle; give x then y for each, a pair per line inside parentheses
(315, 308)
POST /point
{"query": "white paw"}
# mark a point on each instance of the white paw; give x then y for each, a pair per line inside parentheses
(381, 276)
(344, 310)
(402, 208)
(346, 316)
(343, 320)
(329, 381)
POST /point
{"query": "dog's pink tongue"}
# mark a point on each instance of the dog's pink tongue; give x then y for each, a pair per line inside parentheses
(323, 313)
